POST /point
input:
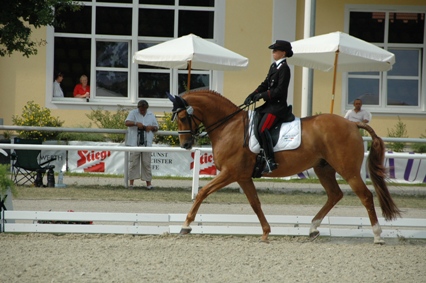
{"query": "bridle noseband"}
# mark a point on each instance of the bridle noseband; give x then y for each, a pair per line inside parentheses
(190, 117)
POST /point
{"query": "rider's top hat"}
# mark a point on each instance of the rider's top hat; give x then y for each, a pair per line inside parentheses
(283, 46)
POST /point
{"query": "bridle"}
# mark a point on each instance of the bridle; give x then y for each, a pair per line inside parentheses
(191, 117)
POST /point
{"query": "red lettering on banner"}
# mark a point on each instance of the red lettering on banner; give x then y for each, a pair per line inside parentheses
(207, 166)
(91, 157)
(100, 167)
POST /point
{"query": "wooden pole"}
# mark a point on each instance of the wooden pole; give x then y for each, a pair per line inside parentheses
(336, 59)
(189, 76)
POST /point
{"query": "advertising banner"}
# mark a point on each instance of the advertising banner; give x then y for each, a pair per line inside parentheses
(181, 164)
(112, 162)
(60, 155)
(406, 170)
(400, 170)
(103, 161)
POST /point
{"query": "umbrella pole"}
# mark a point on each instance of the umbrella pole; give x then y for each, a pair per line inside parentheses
(336, 58)
(189, 75)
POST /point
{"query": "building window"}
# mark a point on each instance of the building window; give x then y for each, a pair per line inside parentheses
(400, 89)
(100, 39)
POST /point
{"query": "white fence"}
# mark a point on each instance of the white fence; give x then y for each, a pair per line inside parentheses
(197, 152)
(134, 223)
(220, 224)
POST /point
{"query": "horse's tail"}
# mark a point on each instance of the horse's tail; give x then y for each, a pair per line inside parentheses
(377, 174)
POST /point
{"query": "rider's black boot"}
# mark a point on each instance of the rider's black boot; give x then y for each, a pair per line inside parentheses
(268, 147)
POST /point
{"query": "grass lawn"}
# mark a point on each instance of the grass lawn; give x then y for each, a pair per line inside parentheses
(120, 193)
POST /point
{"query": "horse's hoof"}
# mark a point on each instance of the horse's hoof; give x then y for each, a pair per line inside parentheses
(379, 241)
(266, 241)
(185, 231)
(314, 235)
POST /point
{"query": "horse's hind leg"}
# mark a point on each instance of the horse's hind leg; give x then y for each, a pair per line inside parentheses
(251, 194)
(327, 176)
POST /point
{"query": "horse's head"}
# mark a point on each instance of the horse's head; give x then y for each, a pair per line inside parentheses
(188, 123)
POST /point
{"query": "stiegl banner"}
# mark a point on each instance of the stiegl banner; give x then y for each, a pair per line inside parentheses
(162, 163)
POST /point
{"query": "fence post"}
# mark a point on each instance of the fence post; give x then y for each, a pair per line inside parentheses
(126, 169)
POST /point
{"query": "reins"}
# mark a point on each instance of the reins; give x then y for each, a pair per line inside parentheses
(198, 131)
(219, 123)
(191, 117)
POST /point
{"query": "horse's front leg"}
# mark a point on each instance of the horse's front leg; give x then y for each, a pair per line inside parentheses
(251, 194)
(214, 185)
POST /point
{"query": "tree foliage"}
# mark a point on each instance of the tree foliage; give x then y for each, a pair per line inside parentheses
(19, 17)
(399, 131)
(109, 120)
(167, 124)
(5, 181)
(36, 116)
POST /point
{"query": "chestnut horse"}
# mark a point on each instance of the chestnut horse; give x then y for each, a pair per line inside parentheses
(329, 144)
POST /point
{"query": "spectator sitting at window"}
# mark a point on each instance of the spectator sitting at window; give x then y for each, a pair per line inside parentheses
(82, 90)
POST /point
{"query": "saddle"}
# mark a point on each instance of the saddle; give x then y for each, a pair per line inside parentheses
(275, 134)
(274, 131)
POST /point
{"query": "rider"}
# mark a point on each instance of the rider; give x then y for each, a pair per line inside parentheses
(273, 90)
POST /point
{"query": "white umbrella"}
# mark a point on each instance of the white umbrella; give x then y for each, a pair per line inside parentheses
(342, 52)
(191, 52)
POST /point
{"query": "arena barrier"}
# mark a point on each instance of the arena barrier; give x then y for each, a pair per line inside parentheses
(197, 154)
(217, 224)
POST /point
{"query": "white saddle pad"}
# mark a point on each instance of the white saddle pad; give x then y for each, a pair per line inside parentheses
(289, 138)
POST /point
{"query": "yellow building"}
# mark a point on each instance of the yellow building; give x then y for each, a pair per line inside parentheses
(101, 38)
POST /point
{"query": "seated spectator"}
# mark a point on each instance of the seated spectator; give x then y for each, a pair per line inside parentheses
(357, 114)
(82, 90)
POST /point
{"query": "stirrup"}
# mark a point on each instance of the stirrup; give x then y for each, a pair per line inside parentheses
(269, 166)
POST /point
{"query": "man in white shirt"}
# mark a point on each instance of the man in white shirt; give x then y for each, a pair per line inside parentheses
(357, 114)
(57, 90)
(141, 126)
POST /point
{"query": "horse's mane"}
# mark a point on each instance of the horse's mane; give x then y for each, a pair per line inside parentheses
(217, 95)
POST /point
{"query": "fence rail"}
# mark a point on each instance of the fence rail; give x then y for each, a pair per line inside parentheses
(76, 130)
(223, 224)
(168, 133)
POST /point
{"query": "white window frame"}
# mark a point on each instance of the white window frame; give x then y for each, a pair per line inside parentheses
(156, 104)
(383, 108)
